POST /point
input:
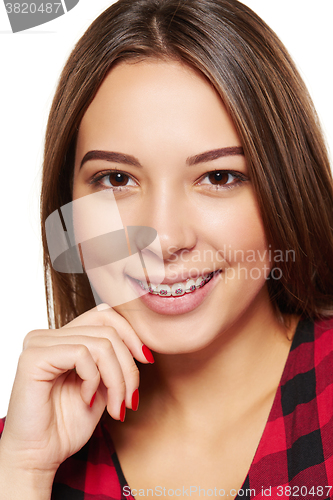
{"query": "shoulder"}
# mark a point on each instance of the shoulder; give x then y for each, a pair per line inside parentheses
(323, 365)
(297, 451)
(323, 336)
(313, 341)
(309, 388)
(311, 356)
(306, 390)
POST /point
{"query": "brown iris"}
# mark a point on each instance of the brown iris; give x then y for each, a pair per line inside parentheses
(218, 177)
(118, 179)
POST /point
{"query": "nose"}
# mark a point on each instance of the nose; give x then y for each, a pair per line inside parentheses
(170, 214)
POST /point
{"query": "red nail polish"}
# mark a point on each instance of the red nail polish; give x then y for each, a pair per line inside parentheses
(122, 411)
(92, 400)
(135, 400)
(147, 354)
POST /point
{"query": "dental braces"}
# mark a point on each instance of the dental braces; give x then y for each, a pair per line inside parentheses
(177, 289)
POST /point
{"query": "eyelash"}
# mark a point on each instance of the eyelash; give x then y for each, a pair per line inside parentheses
(239, 177)
(97, 178)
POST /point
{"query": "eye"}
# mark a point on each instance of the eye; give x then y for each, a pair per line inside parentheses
(116, 179)
(223, 178)
(112, 179)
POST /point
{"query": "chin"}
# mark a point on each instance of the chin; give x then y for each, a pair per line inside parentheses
(208, 324)
(180, 342)
(174, 335)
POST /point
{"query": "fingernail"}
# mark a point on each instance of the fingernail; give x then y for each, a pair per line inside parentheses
(122, 411)
(92, 400)
(147, 354)
(135, 400)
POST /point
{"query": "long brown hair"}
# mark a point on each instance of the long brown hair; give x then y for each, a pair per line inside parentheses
(271, 109)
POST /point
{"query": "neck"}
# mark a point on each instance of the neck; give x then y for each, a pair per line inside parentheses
(242, 365)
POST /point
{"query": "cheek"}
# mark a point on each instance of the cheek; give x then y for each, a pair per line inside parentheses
(237, 226)
(246, 232)
(248, 255)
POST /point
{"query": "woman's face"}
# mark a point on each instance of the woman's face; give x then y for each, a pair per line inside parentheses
(180, 170)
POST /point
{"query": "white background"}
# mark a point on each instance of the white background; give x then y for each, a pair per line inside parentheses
(30, 64)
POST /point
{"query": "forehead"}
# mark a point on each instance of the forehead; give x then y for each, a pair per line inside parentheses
(150, 80)
(156, 102)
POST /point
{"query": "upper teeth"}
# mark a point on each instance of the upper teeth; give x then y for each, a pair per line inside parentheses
(177, 289)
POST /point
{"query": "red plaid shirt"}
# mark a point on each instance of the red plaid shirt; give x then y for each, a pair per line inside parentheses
(294, 458)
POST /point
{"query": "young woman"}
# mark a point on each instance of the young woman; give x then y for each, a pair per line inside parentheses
(188, 118)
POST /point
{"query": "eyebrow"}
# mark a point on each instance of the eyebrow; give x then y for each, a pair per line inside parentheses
(111, 156)
(214, 155)
(125, 159)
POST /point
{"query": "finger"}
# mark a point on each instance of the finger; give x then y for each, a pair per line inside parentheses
(109, 317)
(129, 369)
(116, 366)
(46, 364)
(97, 348)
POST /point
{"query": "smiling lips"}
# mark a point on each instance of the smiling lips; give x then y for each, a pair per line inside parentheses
(178, 289)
